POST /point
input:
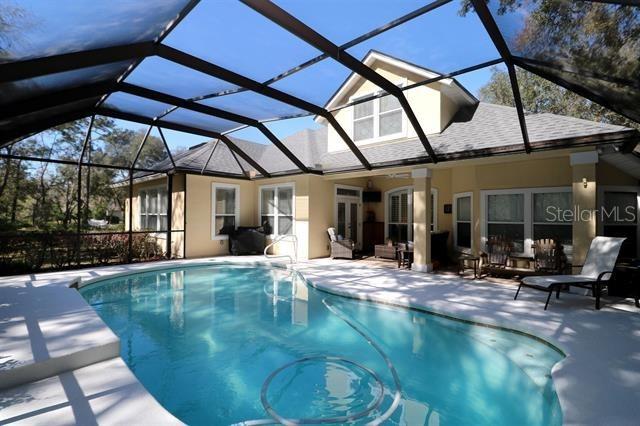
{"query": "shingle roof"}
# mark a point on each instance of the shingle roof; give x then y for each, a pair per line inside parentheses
(485, 127)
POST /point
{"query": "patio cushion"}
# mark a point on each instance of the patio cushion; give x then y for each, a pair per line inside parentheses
(548, 281)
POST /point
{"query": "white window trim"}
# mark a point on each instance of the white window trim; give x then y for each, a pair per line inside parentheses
(376, 118)
(215, 186)
(387, 212)
(276, 186)
(354, 188)
(528, 212)
(600, 203)
(157, 232)
(455, 221)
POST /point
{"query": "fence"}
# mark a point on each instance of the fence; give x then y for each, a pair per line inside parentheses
(26, 252)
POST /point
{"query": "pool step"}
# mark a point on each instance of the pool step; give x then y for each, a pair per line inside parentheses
(45, 331)
(103, 393)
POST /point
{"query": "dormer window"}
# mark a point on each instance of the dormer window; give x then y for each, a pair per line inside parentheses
(363, 121)
(377, 119)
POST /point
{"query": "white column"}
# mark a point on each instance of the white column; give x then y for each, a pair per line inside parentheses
(421, 220)
(583, 165)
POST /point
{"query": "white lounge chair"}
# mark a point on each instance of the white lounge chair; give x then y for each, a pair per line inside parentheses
(596, 271)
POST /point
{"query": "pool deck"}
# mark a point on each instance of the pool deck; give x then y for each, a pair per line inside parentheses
(62, 367)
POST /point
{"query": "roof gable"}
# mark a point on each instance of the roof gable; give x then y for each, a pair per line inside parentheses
(452, 86)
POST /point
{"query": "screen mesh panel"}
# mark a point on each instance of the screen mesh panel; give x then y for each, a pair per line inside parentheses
(168, 77)
(37, 28)
(200, 121)
(15, 91)
(239, 39)
(253, 105)
(136, 105)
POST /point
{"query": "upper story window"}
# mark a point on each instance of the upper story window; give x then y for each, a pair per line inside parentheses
(153, 209)
(377, 118)
(226, 209)
(276, 209)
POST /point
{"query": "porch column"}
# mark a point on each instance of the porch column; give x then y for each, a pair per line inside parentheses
(421, 220)
(583, 165)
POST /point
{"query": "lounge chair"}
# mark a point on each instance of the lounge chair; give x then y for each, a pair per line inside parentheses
(596, 271)
(340, 247)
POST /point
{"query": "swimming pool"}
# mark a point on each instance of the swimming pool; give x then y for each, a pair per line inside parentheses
(225, 344)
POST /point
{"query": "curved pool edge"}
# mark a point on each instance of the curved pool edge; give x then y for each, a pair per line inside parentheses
(408, 304)
(421, 307)
(78, 283)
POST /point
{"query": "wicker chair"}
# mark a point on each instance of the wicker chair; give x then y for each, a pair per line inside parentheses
(385, 251)
(340, 248)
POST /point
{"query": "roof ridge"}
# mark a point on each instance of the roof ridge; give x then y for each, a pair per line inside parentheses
(582, 120)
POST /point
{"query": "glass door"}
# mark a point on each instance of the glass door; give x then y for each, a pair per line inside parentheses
(349, 218)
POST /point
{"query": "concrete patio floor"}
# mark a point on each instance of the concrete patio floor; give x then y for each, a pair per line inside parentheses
(597, 383)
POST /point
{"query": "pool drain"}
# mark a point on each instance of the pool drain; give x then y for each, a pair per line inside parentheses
(276, 418)
(342, 370)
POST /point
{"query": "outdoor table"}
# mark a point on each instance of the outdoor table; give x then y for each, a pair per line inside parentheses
(406, 254)
(462, 265)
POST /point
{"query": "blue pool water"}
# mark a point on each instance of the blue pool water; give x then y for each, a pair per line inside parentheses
(204, 341)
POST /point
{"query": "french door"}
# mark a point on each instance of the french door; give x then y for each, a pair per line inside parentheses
(349, 219)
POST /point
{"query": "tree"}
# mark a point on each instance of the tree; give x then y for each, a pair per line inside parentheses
(596, 41)
(12, 20)
(43, 196)
(540, 95)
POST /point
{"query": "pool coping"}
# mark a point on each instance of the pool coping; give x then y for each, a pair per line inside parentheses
(567, 402)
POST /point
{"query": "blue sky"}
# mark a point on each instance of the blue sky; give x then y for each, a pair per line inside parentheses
(235, 37)
(232, 35)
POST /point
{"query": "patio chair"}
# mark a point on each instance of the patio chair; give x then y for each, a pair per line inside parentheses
(596, 271)
(496, 258)
(340, 247)
(405, 254)
(548, 256)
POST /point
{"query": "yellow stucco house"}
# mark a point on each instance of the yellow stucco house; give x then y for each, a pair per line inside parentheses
(483, 183)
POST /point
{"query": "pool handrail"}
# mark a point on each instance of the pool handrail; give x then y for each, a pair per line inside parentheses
(279, 238)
